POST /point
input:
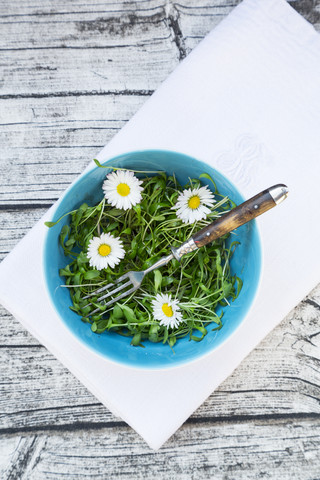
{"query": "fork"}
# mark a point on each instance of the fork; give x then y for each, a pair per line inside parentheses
(246, 211)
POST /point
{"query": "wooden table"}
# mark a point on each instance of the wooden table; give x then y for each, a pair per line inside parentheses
(72, 74)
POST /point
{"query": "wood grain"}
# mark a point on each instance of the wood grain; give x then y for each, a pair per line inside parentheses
(48, 142)
(71, 75)
(241, 450)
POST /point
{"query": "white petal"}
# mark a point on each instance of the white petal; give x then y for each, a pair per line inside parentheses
(157, 303)
(113, 258)
(110, 189)
(189, 215)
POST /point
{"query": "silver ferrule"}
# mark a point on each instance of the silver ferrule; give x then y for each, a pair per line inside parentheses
(186, 247)
(160, 263)
(279, 193)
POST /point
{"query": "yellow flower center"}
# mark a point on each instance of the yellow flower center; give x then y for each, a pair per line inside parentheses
(167, 310)
(104, 250)
(123, 189)
(194, 202)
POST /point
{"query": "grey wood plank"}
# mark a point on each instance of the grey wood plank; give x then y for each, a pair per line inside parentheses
(221, 451)
(67, 72)
(82, 54)
(134, 25)
(42, 8)
(53, 123)
(48, 142)
(83, 26)
(128, 26)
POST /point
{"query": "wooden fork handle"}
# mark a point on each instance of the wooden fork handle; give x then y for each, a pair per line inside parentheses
(242, 214)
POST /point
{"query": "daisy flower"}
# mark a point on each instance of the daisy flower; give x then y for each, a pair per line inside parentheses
(166, 310)
(105, 251)
(122, 189)
(192, 204)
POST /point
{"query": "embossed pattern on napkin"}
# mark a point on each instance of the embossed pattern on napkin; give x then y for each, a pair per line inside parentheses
(246, 157)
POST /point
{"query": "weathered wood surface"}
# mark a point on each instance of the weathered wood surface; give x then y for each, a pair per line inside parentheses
(72, 74)
(196, 452)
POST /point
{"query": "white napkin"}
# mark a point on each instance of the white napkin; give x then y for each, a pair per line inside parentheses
(247, 101)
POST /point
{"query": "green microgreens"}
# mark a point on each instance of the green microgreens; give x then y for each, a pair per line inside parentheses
(202, 283)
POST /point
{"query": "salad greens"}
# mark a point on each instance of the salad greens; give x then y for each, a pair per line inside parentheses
(202, 283)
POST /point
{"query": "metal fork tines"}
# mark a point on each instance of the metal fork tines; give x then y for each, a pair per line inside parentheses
(133, 282)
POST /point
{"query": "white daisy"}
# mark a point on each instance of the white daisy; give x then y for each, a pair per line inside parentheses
(105, 251)
(166, 310)
(192, 204)
(122, 189)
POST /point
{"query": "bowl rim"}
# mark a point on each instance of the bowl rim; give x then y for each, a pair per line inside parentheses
(194, 357)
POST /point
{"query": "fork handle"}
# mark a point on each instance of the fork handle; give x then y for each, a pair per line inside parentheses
(246, 211)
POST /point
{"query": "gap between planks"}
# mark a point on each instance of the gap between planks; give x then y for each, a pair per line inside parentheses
(261, 420)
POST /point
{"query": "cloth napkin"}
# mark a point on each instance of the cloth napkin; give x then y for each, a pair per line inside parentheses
(246, 100)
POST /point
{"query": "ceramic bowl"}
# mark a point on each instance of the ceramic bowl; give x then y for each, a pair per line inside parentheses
(246, 263)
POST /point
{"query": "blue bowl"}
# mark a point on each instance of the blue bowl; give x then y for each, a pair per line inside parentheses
(246, 263)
